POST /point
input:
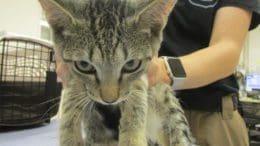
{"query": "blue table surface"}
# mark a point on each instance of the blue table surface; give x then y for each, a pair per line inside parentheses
(44, 135)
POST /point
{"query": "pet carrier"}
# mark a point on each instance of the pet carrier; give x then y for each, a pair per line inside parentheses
(29, 92)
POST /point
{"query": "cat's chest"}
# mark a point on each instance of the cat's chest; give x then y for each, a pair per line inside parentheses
(110, 118)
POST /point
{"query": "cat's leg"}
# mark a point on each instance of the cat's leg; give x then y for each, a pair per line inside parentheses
(70, 119)
(108, 144)
(175, 130)
(132, 124)
(132, 131)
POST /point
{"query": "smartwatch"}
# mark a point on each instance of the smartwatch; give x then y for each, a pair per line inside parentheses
(175, 70)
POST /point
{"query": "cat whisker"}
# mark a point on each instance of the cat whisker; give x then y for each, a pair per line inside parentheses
(50, 108)
(135, 93)
(78, 106)
(84, 104)
(68, 140)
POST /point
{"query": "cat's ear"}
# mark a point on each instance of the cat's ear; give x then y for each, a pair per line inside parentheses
(56, 15)
(154, 15)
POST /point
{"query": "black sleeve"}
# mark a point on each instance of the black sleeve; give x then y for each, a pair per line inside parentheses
(251, 5)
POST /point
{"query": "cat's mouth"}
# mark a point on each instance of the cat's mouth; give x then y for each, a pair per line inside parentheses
(111, 103)
(104, 102)
(119, 100)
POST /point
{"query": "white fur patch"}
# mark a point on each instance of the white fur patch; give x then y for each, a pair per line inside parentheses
(145, 79)
(153, 125)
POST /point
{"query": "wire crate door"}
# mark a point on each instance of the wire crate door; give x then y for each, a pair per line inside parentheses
(25, 65)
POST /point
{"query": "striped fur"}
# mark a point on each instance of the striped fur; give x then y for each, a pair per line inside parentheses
(108, 103)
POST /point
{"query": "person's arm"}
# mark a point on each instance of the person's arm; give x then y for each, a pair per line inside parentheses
(219, 59)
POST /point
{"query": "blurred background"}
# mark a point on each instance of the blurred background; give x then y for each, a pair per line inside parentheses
(23, 26)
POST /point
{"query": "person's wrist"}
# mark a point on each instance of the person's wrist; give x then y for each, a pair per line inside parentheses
(175, 70)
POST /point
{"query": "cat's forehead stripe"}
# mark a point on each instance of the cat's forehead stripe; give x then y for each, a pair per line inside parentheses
(107, 25)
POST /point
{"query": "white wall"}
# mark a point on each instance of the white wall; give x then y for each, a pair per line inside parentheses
(254, 51)
(21, 17)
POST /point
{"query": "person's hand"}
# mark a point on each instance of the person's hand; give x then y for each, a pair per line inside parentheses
(61, 69)
(157, 72)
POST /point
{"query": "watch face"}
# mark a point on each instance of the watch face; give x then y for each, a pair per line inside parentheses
(176, 67)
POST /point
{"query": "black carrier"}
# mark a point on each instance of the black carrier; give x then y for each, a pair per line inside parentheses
(29, 92)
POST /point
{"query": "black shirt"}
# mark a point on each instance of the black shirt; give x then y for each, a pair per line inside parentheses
(189, 29)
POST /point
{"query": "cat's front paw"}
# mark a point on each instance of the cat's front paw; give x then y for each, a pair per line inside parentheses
(70, 143)
(134, 140)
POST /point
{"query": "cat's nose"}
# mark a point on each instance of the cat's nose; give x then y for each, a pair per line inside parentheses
(109, 94)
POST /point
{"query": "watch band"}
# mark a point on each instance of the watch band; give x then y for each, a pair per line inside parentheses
(168, 69)
(175, 70)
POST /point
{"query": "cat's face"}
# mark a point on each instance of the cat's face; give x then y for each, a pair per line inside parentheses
(107, 44)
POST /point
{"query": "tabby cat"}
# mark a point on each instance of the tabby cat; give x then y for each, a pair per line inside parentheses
(107, 46)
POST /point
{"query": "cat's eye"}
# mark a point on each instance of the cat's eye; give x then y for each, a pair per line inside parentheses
(85, 67)
(132, 66)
